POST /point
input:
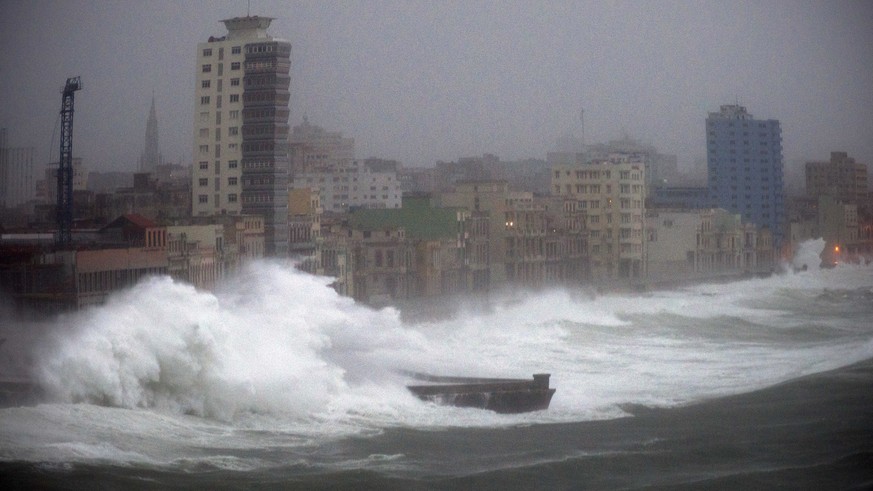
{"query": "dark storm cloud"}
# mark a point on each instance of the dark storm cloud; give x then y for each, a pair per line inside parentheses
(422, 81)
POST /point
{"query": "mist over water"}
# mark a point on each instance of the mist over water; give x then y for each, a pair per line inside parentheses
(278, 358)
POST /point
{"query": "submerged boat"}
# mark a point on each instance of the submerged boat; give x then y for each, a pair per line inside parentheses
(502, 395)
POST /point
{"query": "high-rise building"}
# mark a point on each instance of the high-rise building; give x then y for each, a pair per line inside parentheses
(841, 177)
(151, 154)
(241, 127)
(744, 159)
(17, 180)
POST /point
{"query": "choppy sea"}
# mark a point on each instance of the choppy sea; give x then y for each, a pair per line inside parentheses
(276, 381)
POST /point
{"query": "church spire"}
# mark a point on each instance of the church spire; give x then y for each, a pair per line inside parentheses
(151, 155)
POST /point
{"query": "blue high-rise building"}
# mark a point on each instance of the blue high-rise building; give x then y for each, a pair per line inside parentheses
(744, 160)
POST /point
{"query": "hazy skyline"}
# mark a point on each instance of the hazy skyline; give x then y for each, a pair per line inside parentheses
(427, 81)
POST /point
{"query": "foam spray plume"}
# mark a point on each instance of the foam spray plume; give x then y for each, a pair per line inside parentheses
(274, 343)
(282, 344)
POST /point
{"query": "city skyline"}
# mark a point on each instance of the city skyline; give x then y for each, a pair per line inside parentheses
(421, 82)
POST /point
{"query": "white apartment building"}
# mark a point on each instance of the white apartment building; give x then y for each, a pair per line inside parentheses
(240, 148)
(353, 183)
(612, 191)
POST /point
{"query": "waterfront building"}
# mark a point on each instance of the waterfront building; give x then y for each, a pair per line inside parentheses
(417, 250)
(489, 201)
(304, 225)
(695, 244)
(744, 160)
(195, 254)
(546, 241)
(241, 127)
(612, 192)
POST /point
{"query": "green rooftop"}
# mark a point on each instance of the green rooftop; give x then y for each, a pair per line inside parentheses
(417, 217)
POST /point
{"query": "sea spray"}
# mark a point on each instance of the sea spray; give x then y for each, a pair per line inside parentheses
(279, 348)
(266, 345)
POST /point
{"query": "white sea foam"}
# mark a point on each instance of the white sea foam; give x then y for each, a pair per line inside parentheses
(277, 358)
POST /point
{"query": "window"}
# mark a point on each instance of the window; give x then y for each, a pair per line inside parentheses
(204, 99)
(234, 65)
(204, 132)
(234, 130)
(231, 181)
(234, 82)
(204, 116)
(204, 165)
(205, 84)
(207, 52)
(234, 97)
(231, 198)
(203, 198)
(231, 164)
(206, 68)
(203, 181)
(234, 114)
(204, 149)
(236, 50)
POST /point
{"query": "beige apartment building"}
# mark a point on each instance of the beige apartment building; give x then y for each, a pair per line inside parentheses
(613, 193)
(240, 149)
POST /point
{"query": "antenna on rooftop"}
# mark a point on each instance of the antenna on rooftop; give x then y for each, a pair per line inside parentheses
(248, 8)
(582, 122)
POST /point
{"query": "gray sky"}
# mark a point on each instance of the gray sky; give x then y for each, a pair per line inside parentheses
(437, 80)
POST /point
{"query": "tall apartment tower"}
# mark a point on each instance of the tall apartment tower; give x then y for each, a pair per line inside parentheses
(241, 127)
(151, 154)
(744, 161)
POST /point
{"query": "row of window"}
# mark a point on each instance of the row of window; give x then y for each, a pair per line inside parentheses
(204, 181)
(204, 100)
(231, 164)
(206, 84)
(204, 198)
(207, 67)
(596, 174)
(234, 50)
(233, 130)
(204, 116)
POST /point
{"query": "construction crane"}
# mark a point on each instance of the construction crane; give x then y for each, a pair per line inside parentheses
(65, 165)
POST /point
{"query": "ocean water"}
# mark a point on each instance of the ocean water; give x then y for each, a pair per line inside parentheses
(276, 381)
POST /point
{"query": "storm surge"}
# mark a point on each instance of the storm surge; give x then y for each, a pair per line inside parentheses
(273, 340)
(279, 348)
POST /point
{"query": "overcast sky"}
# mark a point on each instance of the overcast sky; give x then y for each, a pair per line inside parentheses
(438, 80)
